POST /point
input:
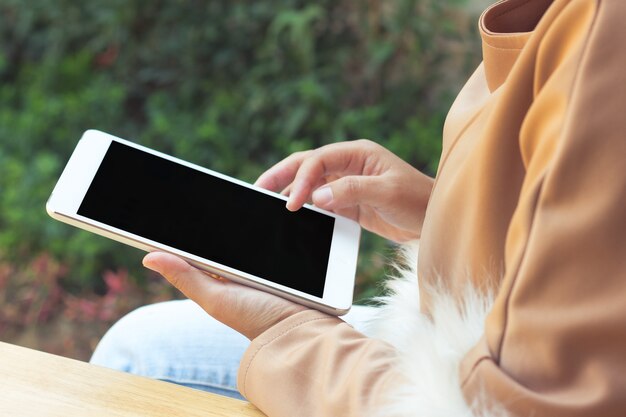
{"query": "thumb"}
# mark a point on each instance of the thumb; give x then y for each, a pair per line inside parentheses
(348, 191)
(195, 284)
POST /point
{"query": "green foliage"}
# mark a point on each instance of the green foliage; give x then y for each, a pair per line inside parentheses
(235, 86)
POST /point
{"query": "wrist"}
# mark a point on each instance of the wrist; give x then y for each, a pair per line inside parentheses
(269, 319)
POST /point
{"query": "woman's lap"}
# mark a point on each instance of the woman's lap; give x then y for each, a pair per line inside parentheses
(177, 341)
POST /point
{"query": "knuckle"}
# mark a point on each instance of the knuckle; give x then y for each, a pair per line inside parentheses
(314, 163)
(366, 144)
(353, 187)
(303, 155)
(314, 153)
(368, 148)
(177, 278)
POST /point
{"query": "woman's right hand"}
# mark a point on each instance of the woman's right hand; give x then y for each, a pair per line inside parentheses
(360, 180)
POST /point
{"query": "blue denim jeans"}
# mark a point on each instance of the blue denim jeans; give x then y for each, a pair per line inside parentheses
(176, 341)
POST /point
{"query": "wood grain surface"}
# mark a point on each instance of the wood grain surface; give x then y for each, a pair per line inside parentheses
(34, 383)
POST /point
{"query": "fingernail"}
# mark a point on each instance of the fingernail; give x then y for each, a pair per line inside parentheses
(323, 196)
(289, 202)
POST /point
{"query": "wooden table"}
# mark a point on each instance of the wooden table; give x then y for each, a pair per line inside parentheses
(37, 384)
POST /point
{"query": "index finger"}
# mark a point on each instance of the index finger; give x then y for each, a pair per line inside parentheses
(282, 174)
(338, 159)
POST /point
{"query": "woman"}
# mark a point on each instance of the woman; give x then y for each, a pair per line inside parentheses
(522, 273)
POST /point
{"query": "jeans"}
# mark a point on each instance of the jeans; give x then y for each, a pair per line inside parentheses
(176, 341)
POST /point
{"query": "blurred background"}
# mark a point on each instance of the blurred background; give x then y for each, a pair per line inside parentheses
(232, 85)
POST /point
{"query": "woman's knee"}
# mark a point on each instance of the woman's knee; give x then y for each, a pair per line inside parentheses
(145, 335)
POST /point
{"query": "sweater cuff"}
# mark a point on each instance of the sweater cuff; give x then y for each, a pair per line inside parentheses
(275, 332)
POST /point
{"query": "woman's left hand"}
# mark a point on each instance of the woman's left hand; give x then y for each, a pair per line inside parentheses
(247, 310)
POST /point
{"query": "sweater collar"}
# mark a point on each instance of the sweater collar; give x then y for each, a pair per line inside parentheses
(505, 28)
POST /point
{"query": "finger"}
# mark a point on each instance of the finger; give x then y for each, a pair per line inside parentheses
(340, 159)
(319, 183)
(350, 191)
(282, 174)
(196, 285)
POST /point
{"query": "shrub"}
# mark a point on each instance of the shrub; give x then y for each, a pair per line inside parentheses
(235, 86)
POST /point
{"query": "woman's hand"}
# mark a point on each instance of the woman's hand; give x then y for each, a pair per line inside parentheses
(247, 310)
(360, 180)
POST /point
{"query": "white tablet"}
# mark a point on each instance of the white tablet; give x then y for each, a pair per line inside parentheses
(154, 201)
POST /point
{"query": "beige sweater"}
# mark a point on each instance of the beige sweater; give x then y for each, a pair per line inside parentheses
(530, 205)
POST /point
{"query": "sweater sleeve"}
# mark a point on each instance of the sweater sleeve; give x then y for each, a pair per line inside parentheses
(313, 364)
(554, 343)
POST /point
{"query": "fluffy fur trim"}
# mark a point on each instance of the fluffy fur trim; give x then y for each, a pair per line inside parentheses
(429, 349)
